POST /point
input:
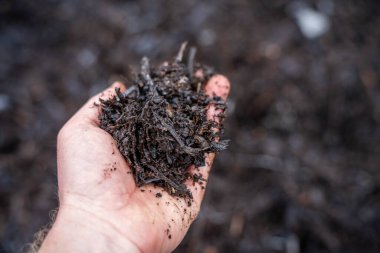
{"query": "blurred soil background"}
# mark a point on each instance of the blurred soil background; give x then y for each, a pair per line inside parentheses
(302, 171)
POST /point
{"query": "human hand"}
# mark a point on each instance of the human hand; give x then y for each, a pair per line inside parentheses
(101, 208)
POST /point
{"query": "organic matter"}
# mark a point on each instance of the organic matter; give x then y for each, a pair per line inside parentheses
(160, 122)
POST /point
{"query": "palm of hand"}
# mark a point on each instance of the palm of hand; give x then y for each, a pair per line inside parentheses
(93, 176)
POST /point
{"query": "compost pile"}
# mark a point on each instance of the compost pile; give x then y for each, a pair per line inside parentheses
(160, 122)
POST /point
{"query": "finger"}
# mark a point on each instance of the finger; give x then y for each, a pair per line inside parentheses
(89, 113)
(218, 85)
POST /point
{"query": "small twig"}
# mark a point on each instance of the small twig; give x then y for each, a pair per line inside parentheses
(118, 94)
(151, 180)
(130, 90)
(187, 149)
(145, 71)
(179, 56)
(168, 180)
(190, 61)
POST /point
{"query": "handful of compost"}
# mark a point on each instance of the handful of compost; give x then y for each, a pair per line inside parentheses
(160, 122)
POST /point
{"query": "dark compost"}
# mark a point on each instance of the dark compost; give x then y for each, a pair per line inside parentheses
(160, 122)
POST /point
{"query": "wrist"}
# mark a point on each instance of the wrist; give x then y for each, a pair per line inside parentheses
(77, 230)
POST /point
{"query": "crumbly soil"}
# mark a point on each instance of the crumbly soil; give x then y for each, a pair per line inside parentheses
(160, 122)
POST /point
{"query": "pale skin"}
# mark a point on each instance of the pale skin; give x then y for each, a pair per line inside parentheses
(100, 207)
